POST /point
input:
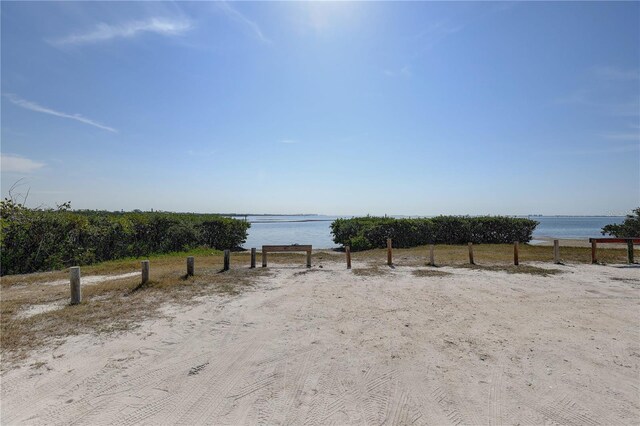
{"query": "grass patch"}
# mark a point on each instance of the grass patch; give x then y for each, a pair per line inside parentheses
(107, 307)
(429, 273)
(512, 269)
(491, 254)
(370, 271)
(308, 271)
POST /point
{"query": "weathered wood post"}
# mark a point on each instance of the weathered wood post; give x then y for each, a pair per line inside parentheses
(516, 247)
(471, 254)
(556, 251)
(432, 259)
(309, 258)
(227, 258)
(145, 271)
(190, 264)
(74, 279)
(253, 257)
(389, 254)
(630, 251)
(593, 251)
(347, 250)
(264, 258)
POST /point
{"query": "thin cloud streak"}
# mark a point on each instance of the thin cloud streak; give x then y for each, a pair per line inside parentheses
(402, 72)
(239, 17)
(12, 163)
(622, 136)
(617, 74)
(32, 106)
(105, 32)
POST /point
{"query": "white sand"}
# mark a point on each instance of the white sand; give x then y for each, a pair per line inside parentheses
(93, 279)
(329, 347)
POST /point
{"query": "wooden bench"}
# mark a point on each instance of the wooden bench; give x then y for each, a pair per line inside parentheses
(629, 241)
(285, 249)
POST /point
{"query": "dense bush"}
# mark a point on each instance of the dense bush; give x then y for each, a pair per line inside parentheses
(44, 239)
(628, 229)
(362, 233)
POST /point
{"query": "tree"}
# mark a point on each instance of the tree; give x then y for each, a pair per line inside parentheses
(630, 228)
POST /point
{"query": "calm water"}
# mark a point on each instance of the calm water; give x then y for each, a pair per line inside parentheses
(315, 230)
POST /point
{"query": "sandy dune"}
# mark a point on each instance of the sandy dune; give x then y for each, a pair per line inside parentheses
(327, 346)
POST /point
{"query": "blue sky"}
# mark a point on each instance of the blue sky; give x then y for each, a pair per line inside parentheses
(334, 108)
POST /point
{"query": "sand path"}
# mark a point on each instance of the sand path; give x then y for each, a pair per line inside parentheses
(325, 346)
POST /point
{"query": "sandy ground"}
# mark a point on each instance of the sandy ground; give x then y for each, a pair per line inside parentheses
(326, 346)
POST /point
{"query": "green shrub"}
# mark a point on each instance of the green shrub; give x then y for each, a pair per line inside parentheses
(630, 228)
(363, 233)
(44, 239)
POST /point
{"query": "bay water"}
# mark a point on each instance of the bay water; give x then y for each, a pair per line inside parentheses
(315, 229)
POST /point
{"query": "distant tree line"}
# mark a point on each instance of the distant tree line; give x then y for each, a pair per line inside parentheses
(363, 233)
(46, 239)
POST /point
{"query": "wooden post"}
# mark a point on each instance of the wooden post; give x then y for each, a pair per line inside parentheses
(471, 254)
(74, 279)
(253, 257)
(593, 252)
(309, 259)
(432, 260)
(630, 251)
(389, 255)
(556, 251)
(190, 263)
(227, 258)
(347, 250)
(145, 271)
(264, 258)
(516, 246)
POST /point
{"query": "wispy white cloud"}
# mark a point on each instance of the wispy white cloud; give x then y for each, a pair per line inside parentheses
(617, 74)
(434, 34)
(288, 141)
(592, 99)
(204, 153)
(105, 32)
(12, 163)
(402, 72)
(621, 149)
(39, 108)
(622, 136)
(246, 22)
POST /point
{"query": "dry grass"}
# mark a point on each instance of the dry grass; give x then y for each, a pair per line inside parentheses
(110, 306)
(371, 271)
(429, 273)
(512, 269)
(490, 254)
(122, 304)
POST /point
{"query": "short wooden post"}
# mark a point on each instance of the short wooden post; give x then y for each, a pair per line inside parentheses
(145, 271)
(593, 252)
(227, 258)
(630, 251)
(347, 250)
(264, 258)
(74, 279)
(309, 259)
(516, 247)
(253, 257)
(389, 254)
(471, 254)
(432, 260)
(190, 264)
(556, 251)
